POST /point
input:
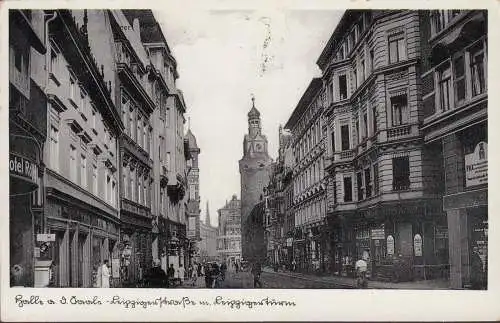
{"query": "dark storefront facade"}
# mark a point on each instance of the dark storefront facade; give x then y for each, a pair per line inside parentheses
(403, 241)
(27, 133)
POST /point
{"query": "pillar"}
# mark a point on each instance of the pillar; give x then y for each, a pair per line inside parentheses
(87, 264)
(458, 247)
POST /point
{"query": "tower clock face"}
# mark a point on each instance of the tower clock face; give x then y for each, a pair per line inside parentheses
(258, 147)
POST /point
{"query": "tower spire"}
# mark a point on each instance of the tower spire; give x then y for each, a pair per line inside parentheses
(253, 100)
(207, 216)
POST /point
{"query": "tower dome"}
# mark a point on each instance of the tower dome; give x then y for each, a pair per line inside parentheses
(253, 113)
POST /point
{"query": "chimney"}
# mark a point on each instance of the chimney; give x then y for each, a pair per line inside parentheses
(136, 27)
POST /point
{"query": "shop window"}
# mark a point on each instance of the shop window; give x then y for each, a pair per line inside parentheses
(344, 134)
(397, 48)
(477, 69)
(400, 173)
(399, 107)
(445, 92)
(347, 189)
(459, 78)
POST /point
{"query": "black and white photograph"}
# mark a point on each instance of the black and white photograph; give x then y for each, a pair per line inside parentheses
(286, 149)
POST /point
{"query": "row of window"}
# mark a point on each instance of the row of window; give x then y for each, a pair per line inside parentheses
(309, 140)
(310, 212)
(136, 187)
(461, 77)
(311, 175)
(136, 123)
(367, 180)
(352, 37)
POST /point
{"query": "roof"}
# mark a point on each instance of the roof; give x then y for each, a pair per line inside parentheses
(253, 113)
(132, 36)
(192, 140)
(305, 100)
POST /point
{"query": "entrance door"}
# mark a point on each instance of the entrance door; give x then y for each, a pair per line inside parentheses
(405, 245)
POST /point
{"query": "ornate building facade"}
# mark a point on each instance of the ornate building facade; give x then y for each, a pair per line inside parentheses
(383, 183)
(229, 232)
(208, 239)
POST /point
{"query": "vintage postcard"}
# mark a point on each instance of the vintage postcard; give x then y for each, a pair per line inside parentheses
(249, 160)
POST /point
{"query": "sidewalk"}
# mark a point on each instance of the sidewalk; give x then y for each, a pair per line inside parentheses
(350, 282)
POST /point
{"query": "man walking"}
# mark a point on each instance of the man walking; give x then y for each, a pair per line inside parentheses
(361, 268)
(256, 271)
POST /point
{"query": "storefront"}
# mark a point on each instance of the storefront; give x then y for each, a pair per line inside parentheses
(401, 241)
(83, 237)
(466, 205)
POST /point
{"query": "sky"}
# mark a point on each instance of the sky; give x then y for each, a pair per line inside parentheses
(226, 56)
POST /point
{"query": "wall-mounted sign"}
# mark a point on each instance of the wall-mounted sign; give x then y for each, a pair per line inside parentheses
(417, 245)
(45, 237)
(476, 165)
(378, 234)
(390, 245)
(22, 167)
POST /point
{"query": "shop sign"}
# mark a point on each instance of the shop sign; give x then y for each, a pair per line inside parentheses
(417, 245)
(289, 242)
(390, 245)
(476, 166)
(22, 167)
(378, 234)
(46, 237)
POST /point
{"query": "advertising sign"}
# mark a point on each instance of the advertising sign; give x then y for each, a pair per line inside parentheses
(476, 165)
(22, 167)
(45, 237)
(390, 245)
(378, 234)
(417, 245)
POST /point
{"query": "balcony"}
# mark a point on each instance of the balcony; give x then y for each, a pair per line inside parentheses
(398, 132)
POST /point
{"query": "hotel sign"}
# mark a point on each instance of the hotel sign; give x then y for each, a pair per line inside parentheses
(23, 167)
(476, 166)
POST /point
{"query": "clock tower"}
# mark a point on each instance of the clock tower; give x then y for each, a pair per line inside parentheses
(255, 166)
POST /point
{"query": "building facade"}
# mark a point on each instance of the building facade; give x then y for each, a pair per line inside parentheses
(229, 232)
(193, 227)
(208, 240)
(97, 86)
(27, 136)
(383, 183)
(170, 149)
(279, 220)
(311, 243)
(255, 170)
(455, 103)
(135, 103)
(81, 197)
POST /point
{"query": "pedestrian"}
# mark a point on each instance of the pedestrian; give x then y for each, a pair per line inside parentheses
(361, 267)
(216, 275)
(208, 276)
(105, 274)
(236, 267)
(256, 271)
(294, 265)
(181, 273)
(223, 270)
(477, 272)
(199, 270)
(170, 274)
(156, 277)
(194, 276)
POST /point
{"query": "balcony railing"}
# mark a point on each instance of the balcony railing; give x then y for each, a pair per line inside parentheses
(399, 131)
